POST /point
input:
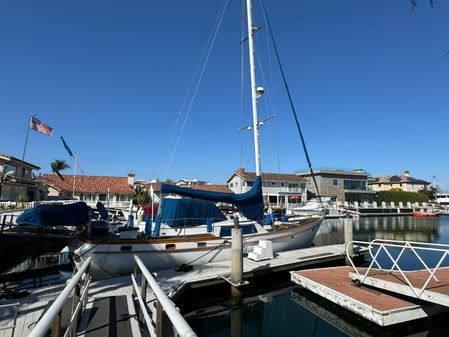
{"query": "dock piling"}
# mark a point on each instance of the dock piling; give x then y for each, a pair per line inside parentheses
(236, 264)
(348, 239)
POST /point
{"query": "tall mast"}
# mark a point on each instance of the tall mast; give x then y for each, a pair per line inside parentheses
(253, 87)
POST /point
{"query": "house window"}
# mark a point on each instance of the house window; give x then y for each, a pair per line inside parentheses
(282, 184)
(335, 182)
(231, 185)
(272, 199)
(274, 183)
(249, 183)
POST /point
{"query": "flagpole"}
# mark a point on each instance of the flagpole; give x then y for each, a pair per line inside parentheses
(152, 203)
(19, 174)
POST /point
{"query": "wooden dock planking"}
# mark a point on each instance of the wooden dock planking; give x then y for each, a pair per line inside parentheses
(381, 308)
(29, 310)
(436, 291)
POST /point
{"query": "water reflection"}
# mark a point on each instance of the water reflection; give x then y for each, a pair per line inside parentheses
(406, 228)
(296, 312)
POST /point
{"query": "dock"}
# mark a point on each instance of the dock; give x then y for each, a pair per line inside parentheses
(383, 292)
(435, 291)
(111, 306)
(335, 285)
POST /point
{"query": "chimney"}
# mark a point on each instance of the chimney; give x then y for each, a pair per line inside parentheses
(131, 176)
(241, 170)
(406, 173)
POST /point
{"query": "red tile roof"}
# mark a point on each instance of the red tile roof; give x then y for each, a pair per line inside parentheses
(213, 188)
(88, 184)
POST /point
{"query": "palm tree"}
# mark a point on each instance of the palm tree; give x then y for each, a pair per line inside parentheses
(59, 165)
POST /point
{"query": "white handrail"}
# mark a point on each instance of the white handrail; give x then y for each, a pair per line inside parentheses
(182, 327)
(413, 247)
(46, 321)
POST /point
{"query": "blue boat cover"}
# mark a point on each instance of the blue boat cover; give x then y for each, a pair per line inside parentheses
(55, 215)
(187, 212)
(249, 203)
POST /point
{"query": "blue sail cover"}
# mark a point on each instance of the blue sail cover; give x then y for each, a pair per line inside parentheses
(55, 215)
(188, 212)
(249, 203)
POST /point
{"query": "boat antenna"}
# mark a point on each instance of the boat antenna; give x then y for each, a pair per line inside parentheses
(295, 115)
(255, 91)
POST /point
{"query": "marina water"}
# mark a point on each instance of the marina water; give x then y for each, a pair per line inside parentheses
(292, 311)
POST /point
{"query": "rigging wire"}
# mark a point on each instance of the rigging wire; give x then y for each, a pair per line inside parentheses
(200, 77)
(242, 93)
(295, 115)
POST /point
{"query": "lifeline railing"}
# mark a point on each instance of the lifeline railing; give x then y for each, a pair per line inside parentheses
(387, 246)
(52, 318)
(162, 301)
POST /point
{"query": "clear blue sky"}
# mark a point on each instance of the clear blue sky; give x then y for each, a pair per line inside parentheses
(112, 76)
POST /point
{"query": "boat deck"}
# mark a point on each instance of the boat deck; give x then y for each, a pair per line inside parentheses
(382, 308)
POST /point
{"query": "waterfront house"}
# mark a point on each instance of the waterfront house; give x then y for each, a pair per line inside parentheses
(278, 189)
(17, 179)
(342, 185)
(112, 191)
(403, 182)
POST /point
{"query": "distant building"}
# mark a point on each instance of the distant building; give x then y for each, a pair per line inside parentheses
(112, 191)
(343, 185)
(17, 179)
(404, 182)
(278, 189)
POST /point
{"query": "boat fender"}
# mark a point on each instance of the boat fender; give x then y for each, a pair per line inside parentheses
(148, 224)
(157, 227)
(209, 223)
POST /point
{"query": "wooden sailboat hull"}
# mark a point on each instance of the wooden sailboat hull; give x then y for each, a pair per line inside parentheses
(115, 258)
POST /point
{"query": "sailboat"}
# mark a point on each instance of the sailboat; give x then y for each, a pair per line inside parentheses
(193, 231)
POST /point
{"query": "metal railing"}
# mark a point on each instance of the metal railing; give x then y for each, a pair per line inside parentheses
(162, 304)
(377, 246)
(52, 318)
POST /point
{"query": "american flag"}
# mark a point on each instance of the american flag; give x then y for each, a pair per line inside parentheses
(37, 125)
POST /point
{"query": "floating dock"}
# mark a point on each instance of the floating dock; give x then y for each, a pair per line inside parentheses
(335, 285)
(435, 291)
(110, 304)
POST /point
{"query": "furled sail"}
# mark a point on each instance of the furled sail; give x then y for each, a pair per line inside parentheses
(55, 215)
(249, 203)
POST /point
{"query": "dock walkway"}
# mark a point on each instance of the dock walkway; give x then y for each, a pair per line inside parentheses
(436, 291)
(25, 312)
(334, 284)
(174, 283)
